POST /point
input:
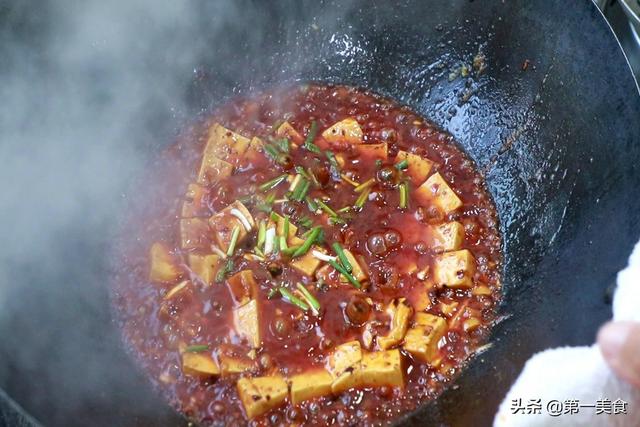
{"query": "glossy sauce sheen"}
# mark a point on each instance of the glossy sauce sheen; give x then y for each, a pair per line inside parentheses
(204, 315)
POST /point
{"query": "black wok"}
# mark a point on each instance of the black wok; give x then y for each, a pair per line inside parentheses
(553, 120)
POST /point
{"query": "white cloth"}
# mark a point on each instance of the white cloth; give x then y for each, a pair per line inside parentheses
(577, 373)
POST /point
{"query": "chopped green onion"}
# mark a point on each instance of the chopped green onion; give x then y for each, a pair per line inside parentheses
(276, 245)
(224, 270)
(313, 302)
(332, 161)
(290, 250)
(282, 144)
(404, 195)
(364, 185)
(336, 220)
(402, 165)
(289, 297)
(285, 228)
(304, 248)
(265, 206)
(304, 191)
(197, 348)
(306, 222)
(312, 178)
(271, 151)
(346, 274)
(295, 182)
(262, 234)
(274, 217)
(342, 256)
(349, 180)
(297, 193)
(326, 208)
(344, 210)
(308, 142)
(311, 204)
(302, 171)
(273, 183)
(234, 240)
(362, 199)
(283, 243)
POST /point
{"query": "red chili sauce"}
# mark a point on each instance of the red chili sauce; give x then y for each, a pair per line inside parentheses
(230, 335)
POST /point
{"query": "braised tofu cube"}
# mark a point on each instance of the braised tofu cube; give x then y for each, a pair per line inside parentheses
(163, 265)
(420, 296)
(199, 365)
(418, 167)
(194, 233)
(224, 143)
(350, 378)
(454, 269)
(243, 287)
(400, 313)
(344, 356)
(195, 201)
(307, 264)
(231, 364)
(347, 130)
(285, 130)
(205, 266)
(224, 222)
(255, 150)
(447, 237)
(357, 270)
(422, 339)
(247, 322)
(436, 190)
(213, 170)
(373, 151)
(262, 394)
(310, 384)
(382, 368)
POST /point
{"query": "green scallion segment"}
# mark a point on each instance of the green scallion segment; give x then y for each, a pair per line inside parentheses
(304, 191)
(289, 297)
(234, 240)
(311, 204)
(300, 190)
(308, 142)
(272, 293)
(356, 284)
(283, 243)
(404, 195)
(362, 199)
(273, 183)
(315, 304)
(342, 256)
(196, 348)
(310, 240)
(326, 208)
(282, 144)
(262, 234)
(290, 250)
(332, 161)
(306, 222)
(222, 273)
(285, 228)
(402, 165)
(364, 185)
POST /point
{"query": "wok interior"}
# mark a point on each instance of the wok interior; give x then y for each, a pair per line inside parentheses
(555, 141)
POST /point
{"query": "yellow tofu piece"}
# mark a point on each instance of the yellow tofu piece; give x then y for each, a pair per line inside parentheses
(223, 223)
(310, 384)
(344, 356)
(285, 130)
(213, 170)
(194, 233)
(307, 264)
(400, 313)
(194, 204)
(199, 365)
(261, 394)
(347, 130)
(418, 167)
(177, 289)
(382, 368)
(350, 378)
(447, 237)
(420, 297)
(230, 364)
(454, 269)
(163, 265)
(205, 266)
(243, 287)
(373, 151)
(224, 143)
(437, 191)
(422, 339)
(246, 319)
(279, 224)
(357, 270)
